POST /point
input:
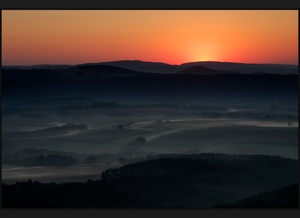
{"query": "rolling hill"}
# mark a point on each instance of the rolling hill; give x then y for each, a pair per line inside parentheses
(174, 181)
(164, 68)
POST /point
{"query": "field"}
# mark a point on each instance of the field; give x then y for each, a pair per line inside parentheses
(171, 130)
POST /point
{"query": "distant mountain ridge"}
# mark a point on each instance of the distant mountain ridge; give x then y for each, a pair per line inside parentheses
(164, 68)
(150, 67)
(199, 69)
(104, 68)
(246, 68)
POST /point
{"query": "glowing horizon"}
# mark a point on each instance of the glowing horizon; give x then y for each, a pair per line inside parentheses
(35, 37)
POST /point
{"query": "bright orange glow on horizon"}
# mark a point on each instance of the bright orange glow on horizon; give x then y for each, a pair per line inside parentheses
(172, 36)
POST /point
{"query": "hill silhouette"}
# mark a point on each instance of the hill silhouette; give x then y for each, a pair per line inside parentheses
(104, 68)
(164, 68)
(201, 70)
(286, 197)
(150, 67)
(189, 181)
(245, 68)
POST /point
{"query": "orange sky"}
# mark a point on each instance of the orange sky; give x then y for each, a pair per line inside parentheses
(173, 36)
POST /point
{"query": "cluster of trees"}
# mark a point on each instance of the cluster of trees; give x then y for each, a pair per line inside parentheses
(91, 159)
(55, 160)
(48, 131)
(166, 105)
(246, 115)
(91, 106)
(32, 115)
(134, 144)
(180, 181)
(158, 105)
(114, 105)
(208, 108)
(38, 157)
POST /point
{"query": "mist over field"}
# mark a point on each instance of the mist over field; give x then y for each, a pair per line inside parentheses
(74, 123)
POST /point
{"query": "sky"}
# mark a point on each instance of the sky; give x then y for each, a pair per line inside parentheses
(31, 37)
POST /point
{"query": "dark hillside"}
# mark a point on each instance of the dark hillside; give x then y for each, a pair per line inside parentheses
(286, 197)
(202, 180)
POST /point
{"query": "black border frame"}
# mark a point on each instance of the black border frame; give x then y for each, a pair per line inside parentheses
(154, 4)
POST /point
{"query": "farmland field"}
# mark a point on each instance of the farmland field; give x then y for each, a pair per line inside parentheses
(181, 132)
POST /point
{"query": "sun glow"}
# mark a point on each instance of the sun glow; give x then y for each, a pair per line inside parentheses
(204, 57)
(204, 52)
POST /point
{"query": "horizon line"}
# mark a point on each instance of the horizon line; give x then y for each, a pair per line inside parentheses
(157, 62)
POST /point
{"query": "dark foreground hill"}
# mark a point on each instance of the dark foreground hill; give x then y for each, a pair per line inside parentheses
(189, 181)
(286, 197)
